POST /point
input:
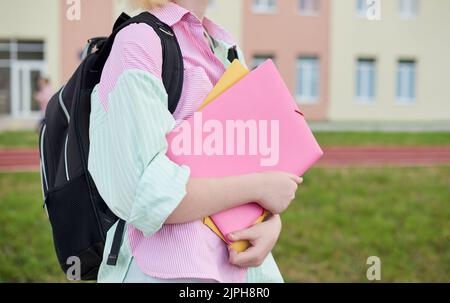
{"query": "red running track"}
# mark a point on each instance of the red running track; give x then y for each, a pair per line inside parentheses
(28, 159)
(386, 156)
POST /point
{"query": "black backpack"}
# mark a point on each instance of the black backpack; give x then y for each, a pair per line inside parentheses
(78, 215)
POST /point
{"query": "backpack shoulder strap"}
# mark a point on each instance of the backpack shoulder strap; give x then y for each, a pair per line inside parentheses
(233, 54)
(172, 77)
(172, 69)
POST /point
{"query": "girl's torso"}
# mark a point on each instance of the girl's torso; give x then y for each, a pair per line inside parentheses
(188, 250)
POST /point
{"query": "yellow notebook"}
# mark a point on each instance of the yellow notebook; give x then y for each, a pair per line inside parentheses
(238, 246)
(234, 73)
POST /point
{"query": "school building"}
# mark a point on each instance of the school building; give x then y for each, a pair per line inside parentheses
(344, 60)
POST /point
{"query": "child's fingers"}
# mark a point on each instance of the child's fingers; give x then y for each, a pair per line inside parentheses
(250, 233)
(243, 259)
(297, 179)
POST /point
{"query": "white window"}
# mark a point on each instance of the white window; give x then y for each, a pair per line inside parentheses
(406, 81)
(369, 9)
(408, 8)
(361, 8)
(21, 64)
(260, 59)
(5, 78)
(264, 6)
(307, 82)
(309, 7)
(365, 80)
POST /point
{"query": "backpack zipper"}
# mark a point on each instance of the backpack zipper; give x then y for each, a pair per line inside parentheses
(43, 168)
(166, 32)
(65, 156)
(43, 160)
(165, 45)
(66, 112)
(61, 103)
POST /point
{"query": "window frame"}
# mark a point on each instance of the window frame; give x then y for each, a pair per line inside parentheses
(361, 13)
(16, 63)
(309, 12)
(369, 65)
(264, 9)
(408, 15)
(5, 64)
(307, 98)
(262, 58)
(405, 66)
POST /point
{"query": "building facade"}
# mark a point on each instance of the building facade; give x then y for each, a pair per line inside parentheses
(43, 37)
(32, 45)
(346, 60)
(394, 68)
(296, 35)
(29, 45)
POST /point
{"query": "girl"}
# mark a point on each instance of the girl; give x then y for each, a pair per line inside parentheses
(165, 239)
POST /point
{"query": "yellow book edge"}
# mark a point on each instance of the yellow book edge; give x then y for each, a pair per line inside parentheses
(234, 73)
(238, 246)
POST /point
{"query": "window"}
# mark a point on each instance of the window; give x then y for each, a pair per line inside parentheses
(21, 63)
(309, 7)
(307, 83)
(30, 50)
(5, 91)
(365, 80)
(264, 6)
(260, 59)
(22, 50)
(361, 8)
(408, 8)
(5, 51)
(406, 81)
(369, 9)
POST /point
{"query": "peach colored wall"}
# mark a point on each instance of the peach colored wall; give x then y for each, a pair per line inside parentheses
(287, 35)
(96, 20)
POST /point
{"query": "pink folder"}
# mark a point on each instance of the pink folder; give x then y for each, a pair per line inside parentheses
(254, 126)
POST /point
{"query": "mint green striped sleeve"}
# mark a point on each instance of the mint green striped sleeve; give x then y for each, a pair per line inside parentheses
(127, 158)
(241, 56)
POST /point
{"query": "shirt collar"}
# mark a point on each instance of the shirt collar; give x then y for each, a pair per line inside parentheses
(172, 13)
(217, 32)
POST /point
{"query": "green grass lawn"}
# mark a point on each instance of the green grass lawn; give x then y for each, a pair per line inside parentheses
(26, 247)
(30, 139)
(340, 217)
(15, 139)
(382, 138)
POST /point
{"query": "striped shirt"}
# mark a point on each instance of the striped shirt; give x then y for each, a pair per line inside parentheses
(127, 159)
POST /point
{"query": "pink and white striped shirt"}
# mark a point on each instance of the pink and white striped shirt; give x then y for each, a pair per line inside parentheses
(188, 250)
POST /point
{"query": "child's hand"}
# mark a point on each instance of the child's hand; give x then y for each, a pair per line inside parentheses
(262, 237)
(277, 190)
